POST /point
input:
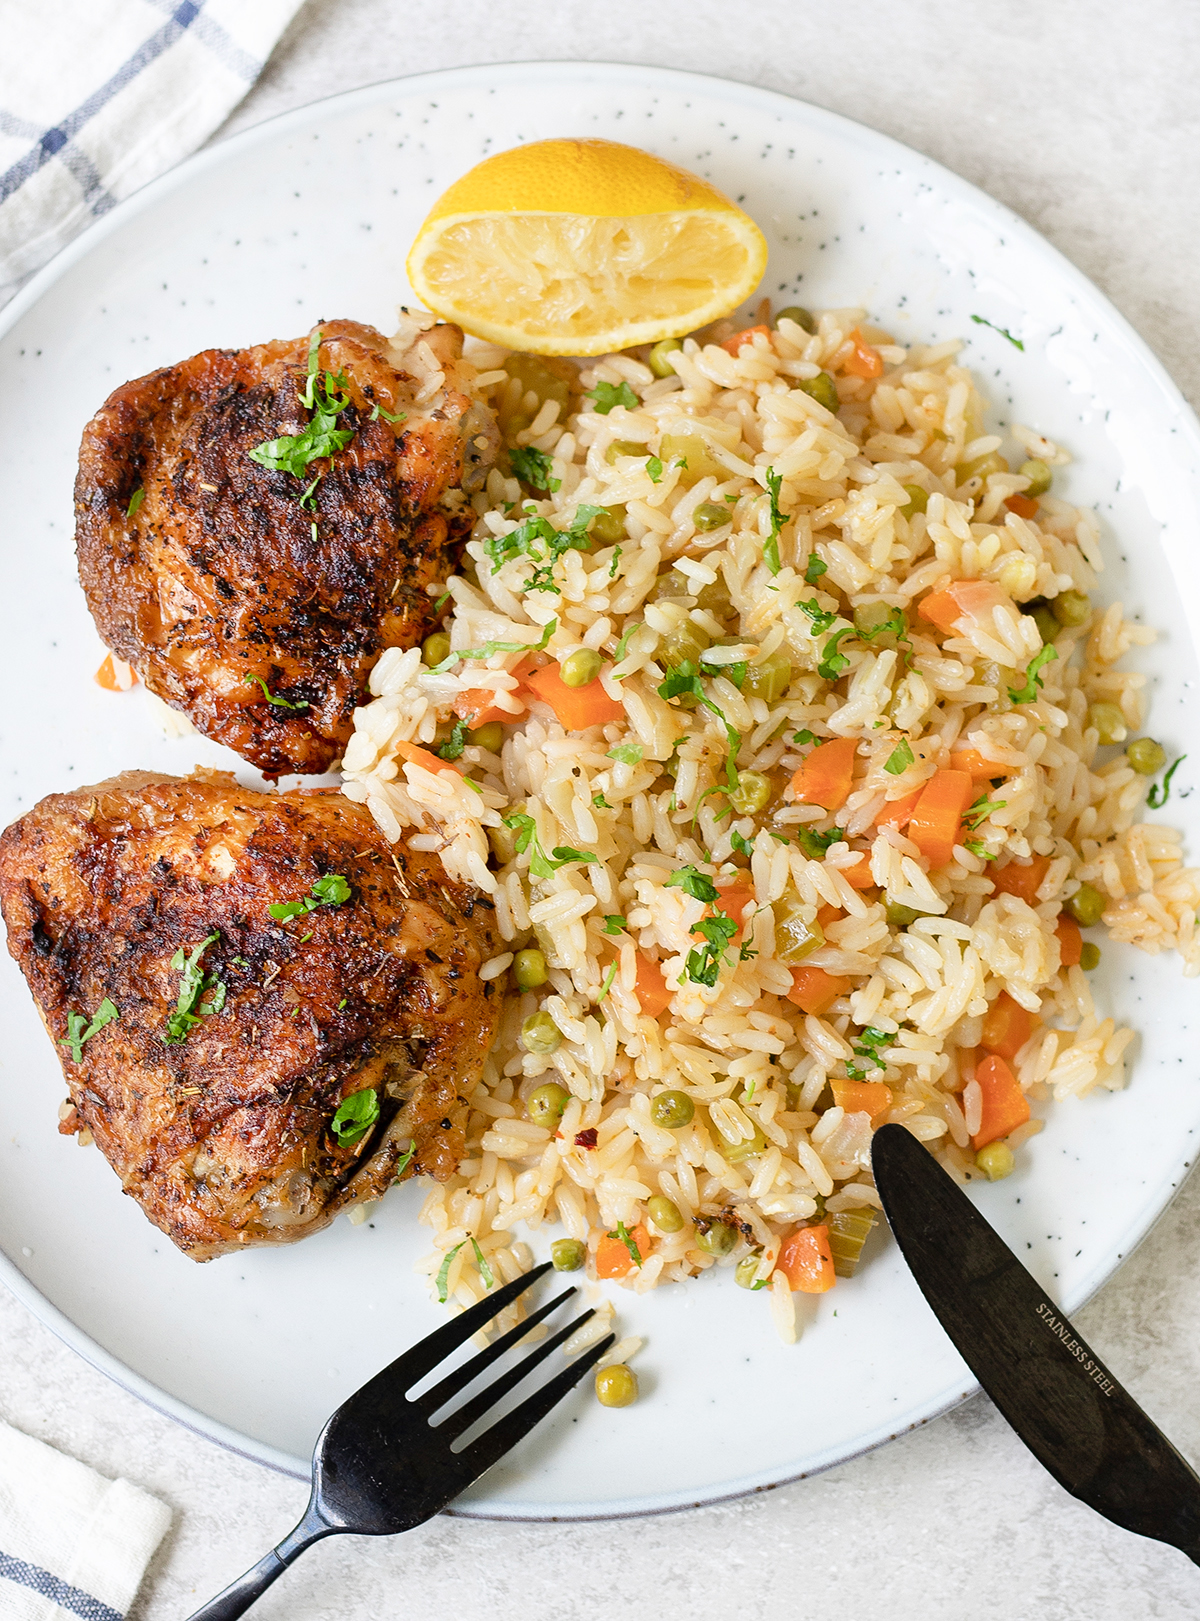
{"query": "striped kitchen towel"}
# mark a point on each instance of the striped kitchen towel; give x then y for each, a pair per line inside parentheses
(72, 1544)
(99, 96)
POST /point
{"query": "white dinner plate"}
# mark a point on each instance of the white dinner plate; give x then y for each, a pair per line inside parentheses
(309, 217)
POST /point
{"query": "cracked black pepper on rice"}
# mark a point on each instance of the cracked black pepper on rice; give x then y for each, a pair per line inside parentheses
(774, 715)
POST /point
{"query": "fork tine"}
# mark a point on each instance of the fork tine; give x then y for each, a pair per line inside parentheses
(456, 1423)
(436, 1347)
(459, 1378)
(514, 1426)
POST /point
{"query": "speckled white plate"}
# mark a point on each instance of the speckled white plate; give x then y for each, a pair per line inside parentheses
(309, 217)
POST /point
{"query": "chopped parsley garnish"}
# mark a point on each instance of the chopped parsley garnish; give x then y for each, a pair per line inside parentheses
(771, 544)
(894, 625)
(978, 848)
(606, 395)
(293, 452)
(276, 703)
(485, 1271)
(194, 983)
(832, 662)
(732, 672)
(404, 1162)
(815, 844)
(443, 1277)
(981, 320)
(803, 738)
(80, 1029)
(537, 538)
(694, 883)
(614, 923)
(533, 467)
(685, 678)
(981, 810)
(1158, 796)
(867, 1046)
(655, 469)
(355, 1116)
(627, 753)
(814, 569)
(331, 890)
(608, 981)
(488, 648)
(899, 759)
(629, 1241)
(612, 567)
(717, 932)
(741, 845)
(542, 865)
(454, 745)
(624, 643)
(388, 416)
(135, 501)
(600, 802)
(1033, 680)
(821, 617)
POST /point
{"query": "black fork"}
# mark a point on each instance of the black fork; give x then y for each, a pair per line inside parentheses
(380, 1466)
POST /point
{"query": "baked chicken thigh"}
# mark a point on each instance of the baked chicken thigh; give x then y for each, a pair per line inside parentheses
(254, 526)
(264, 1013)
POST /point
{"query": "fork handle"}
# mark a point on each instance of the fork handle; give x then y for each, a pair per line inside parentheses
(240, 1595)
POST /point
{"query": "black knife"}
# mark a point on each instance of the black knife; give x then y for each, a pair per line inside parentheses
(1047, 1382)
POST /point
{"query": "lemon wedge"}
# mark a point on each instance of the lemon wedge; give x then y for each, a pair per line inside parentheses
(581, 247)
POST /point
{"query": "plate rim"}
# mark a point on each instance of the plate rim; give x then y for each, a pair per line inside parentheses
(863, 135)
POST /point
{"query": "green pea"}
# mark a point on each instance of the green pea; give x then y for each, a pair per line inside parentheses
(746, 1272)
(821, 388)
(795, 936)
(546, 1103)
(529, 969)
(1146, 756)
(672, 1110)
(683, 645)
(918, 499)
(901, 916)
(715, 1237)
(616, 1386)
(540, 1034)
(1039, 476)
(770, 679)
(712, 515)
(1071, 608)
(568, 1254)
(608, 526)
(996, 1161)
(660, 356)
(1048, 626)
(435, 648)
(802, 317)
(672, 585)
(751, 794)
(1089, 956)
(1087, 905)
(625, 447)
(580, 668)
(981, 467)
(1109, 722)
(489, 737)
(664, 1213)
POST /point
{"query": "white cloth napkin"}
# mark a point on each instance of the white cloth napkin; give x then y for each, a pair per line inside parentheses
(99, 96)
(72, 1544)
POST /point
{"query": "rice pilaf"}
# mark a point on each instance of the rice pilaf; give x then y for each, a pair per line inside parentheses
(750, 567)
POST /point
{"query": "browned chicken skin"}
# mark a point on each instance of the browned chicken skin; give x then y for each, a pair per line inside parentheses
(220, 580)
(224, 1137)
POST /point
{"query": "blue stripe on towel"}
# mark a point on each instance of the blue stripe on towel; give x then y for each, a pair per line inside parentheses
(61, 1593)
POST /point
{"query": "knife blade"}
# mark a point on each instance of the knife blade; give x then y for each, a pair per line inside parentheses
(1048, 1383)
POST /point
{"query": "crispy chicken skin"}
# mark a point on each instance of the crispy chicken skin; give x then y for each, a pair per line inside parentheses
(218, 573)
(224, 1137)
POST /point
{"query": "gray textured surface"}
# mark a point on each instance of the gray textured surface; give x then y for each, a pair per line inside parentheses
(1083, 118)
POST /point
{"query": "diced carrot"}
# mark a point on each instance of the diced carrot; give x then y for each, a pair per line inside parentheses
(422, 757)
(815, 991)
(733, 902)
(1007, 1026)
(574, 707)
(613, 1259)
(862, 1097)
(865, 361)
(896, 812)
(934, 824)
(746, 335)
(824, 778)
(858, 875)
(827, 915)
(1005, 1106)
(1022, 505)
(477, 708)
(1022, 879)
(974, 764)
(112, 680)
(806, 1260)
(1070, 941)
(965, 599)
(650, 988)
